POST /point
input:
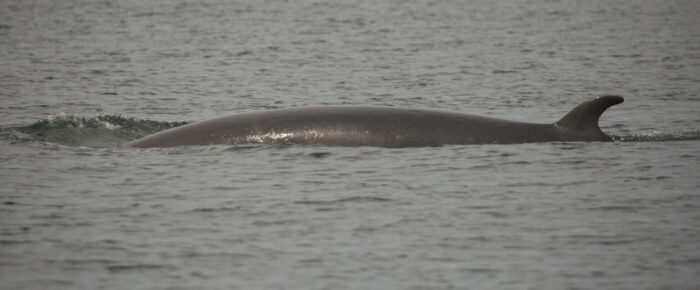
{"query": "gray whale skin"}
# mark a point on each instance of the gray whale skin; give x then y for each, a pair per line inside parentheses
(380, 126)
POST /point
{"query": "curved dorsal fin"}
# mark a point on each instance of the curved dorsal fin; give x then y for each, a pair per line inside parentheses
(584, 118)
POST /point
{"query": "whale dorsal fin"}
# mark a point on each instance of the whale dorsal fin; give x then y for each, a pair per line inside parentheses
(584, 118)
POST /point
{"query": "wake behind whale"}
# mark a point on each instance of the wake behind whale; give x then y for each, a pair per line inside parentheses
(382, 127)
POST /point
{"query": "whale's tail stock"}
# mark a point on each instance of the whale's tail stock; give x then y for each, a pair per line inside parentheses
(582, 121)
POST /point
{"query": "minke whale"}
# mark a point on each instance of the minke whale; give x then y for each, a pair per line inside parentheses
(380, 126)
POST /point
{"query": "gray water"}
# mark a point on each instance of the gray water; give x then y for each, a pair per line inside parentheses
(80, 78)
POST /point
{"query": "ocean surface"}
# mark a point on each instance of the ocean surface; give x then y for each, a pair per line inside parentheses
(80, 78)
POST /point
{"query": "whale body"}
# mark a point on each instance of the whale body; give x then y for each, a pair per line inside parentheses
(380, 126)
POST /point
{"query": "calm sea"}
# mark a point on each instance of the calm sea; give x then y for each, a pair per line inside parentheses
(79, 78)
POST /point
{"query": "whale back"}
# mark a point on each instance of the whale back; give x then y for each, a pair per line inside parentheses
(582, 122)
(380, 126)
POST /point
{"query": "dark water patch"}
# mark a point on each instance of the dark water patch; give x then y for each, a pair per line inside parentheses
(479, 207)
(528, 184)
(354, 199)
(224, 255)
(612, 242)
(208, 209)
(82, 261)
(605, 240)
(481, 270)
(480, 167)
(519, 163)
(264, 223)
(11, 242)
(311, 261)
(147, 14)
(500, 71)
(571, 162)
(615, 208)
(495, 214)
(320, 154)
(659, 137)
(136, 267)
(97, 131)
(322, 209)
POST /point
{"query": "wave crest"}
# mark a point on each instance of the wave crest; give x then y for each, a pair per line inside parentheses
(90, 131)
(658, 136)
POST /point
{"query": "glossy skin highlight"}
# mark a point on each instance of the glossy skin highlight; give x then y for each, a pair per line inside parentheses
(380, 126)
